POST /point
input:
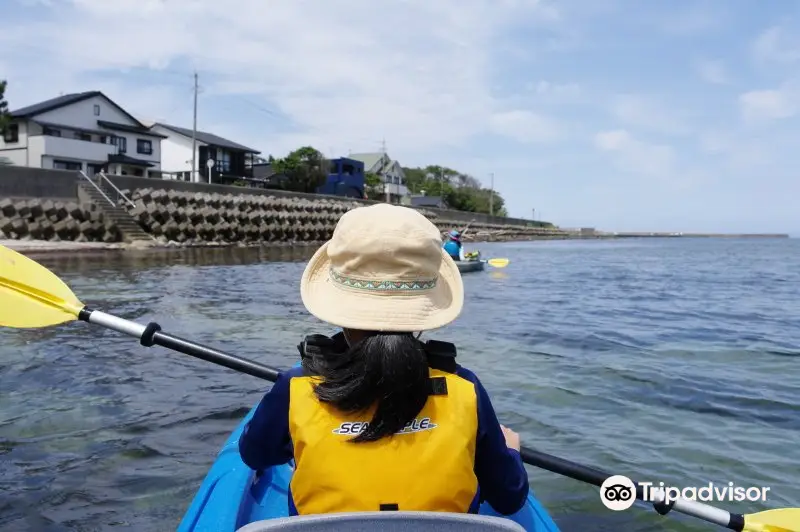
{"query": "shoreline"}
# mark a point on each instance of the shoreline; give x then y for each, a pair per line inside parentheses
(30, 247)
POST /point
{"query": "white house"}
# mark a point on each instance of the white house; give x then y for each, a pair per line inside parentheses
(232, 161)
(390, 172)
(83, 131)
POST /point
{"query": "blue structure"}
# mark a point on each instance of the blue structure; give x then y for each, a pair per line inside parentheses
(345, 178)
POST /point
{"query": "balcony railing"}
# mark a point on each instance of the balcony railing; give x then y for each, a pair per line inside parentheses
(84, 150)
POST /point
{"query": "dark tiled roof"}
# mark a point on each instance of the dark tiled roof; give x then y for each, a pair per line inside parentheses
(125, 159)
(54, 103)
(207, 138)
(65, 100)
(263, 171)
(427, 201)
(130, 129)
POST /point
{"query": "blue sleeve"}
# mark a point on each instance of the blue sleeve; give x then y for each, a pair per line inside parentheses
(501, 474)
(266, 441)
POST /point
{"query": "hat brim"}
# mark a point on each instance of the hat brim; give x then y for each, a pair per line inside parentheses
(360, 309)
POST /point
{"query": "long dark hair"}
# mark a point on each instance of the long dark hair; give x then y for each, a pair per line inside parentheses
(388, 370)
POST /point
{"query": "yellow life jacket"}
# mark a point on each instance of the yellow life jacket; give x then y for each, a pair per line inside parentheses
(427, 466)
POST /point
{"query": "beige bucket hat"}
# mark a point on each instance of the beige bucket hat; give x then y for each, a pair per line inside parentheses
(384, 269)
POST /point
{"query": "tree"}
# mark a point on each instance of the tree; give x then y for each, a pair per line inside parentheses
(415, 179)
(306, 169)
(460, 191)
(373, 186)
(5, 118)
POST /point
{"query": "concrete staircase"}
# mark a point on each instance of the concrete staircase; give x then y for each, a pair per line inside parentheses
(129, 228)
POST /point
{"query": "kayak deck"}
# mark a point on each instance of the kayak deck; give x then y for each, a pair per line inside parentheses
(465, 266)
(230, 497)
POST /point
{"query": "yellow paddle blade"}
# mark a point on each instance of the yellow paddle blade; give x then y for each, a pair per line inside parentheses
(31, 296)
(498, 263)
(779, 520)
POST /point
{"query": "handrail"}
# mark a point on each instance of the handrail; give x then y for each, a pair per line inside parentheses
(118, 191)
(100, 190)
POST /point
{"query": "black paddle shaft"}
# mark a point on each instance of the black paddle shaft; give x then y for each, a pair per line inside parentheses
(208, 354)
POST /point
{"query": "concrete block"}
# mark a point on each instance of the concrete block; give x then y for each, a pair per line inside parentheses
(7, 207)
(36, 208)
(23, 209)
(61, 211)
(66, 229)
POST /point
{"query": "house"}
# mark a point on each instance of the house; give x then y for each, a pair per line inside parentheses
(83, 131)
(425, 201)
(390, 172)
(232, 161)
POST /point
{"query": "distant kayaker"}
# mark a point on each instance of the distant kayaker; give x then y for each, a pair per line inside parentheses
(384, 423)
(453, 246)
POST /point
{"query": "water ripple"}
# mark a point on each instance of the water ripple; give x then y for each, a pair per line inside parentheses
(670, 361)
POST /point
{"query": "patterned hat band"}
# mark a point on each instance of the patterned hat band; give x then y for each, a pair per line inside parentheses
(374, 285)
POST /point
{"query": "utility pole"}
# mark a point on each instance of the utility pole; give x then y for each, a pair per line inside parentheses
(194, 133)
(491, 196)
(533, 214)
(385, 176)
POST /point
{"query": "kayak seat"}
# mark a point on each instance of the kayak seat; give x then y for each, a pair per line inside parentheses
(386, 522)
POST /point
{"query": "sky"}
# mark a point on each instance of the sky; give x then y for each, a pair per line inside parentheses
(624, 115)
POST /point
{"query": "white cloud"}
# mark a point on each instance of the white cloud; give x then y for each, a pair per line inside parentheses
(633, 155)
(555, 92)
(691, 21)
(648, 113)
(417, 73)
(770, 104)
(524, 126)
(774, 45)
(711, 71)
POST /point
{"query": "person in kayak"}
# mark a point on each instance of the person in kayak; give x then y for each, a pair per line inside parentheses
(453, 246)
(380, 425)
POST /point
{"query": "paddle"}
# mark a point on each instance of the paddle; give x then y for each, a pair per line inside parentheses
(467, 227)
(498, 263)
(31, 296)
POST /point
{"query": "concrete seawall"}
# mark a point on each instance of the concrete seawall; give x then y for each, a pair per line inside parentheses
(55, 221)
(198, 218)
(19, 182)
(187, 214)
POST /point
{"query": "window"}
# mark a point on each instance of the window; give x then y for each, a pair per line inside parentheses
(82, 136)
(223, 163)
(51, 132)
(144, 146)
(96, 110)
(121, 143)
(11, 133)
(67, 165)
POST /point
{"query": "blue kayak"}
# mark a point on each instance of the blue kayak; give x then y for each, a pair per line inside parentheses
(230, 496)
